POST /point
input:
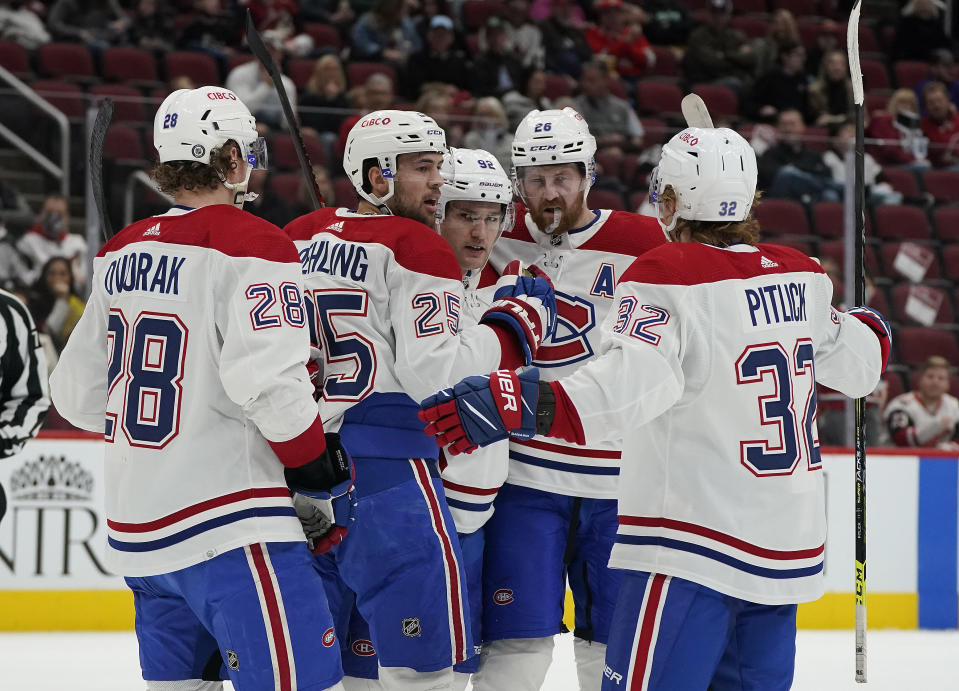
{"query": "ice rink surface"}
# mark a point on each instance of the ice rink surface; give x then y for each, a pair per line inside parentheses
(898, 661)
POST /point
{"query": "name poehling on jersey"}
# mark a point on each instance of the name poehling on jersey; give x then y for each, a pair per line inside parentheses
(777, 304)
(142, 271)
(342, 259)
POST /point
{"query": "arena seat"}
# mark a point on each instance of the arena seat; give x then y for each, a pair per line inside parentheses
(901, 223)
(782, 217)
(199, 67)
(66, 61)
(129, 65)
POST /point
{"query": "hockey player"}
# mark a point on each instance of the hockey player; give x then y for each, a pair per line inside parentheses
(190, 358)
(709, 372)
(928, 416)
(564, 491)
(384, 295)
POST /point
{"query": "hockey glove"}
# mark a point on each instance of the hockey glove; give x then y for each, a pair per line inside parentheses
(879, 326)
(525, 304)
(313, 369)
(324, 497)
(481, 410)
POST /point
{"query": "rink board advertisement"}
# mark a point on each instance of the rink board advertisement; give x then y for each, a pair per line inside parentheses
(53, 538)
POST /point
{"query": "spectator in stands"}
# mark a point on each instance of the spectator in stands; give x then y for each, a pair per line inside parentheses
(379, 92)
(212, 30)
(783, 34)
(920, 31)
(252, 85)
(940, 125)
(620, 43)
(327, 191)
(151, 27)
(518, 103)
(719, 54)
(789, 169)
(786, 86)
(897, 127)
(54, 303)
(336, 13)
(20, 24)
(830, 96)
(842, 141)
(669, 22)
(498, 69)
(830, 38)
(523, 36)
(611, 119)
(268, 205)
(942, 68)
(928, 415)
(439, 60)
(386, 33)
(436, 100)
(326, 89)
(97, 23)
(281, 16)
(51, 237)
(564, 41)
(490, 130)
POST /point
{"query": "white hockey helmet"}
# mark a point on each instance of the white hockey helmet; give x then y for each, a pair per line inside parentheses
(713, 175)
(192, 123)
(475, 175)
(383, 135)
(549, 137)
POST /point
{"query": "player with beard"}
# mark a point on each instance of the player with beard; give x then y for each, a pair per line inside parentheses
(383, 293)
(563, 491)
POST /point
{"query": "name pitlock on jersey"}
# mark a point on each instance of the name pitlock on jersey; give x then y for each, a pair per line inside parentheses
(190, 351)
(584, 266)
(384, 296)
(701, 336)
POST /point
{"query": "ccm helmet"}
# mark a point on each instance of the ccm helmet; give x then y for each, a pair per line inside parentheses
(383, 135)
(548, 137)
(475, 175)
(713, 173)
(192, 123)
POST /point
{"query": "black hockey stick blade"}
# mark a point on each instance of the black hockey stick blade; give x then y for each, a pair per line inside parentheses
(99, 133)
(263, 55)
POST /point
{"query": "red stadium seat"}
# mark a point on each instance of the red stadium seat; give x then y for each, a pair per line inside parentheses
(616, 88)
(654, 130)
(283, 152)
(238, 59)
(894, 385)
(950, 259)
(636, 200)
(799, 8)
(808, 32)
(900, 293)
(902, 180)
(476, 12)
(286, 186)
(947, 224)
(867, 39)
(888, 252)
(557, 86)
(66, 61)
(875, 75)
(127, 103)
(910, 73)
(658, 98)
(806, 248)
(358, 72)
(829, 219)
(608, 164)
(817, 138)
(324, 36)
(300, 70)
(666, 63)
(123, 142)
(721, 100)
(835, 249)
(781, 217)
(748, 6)
(942, 184)
(199, 67)
(605, 199)
(129, 65)
(902, 222)
(345, 192)
(916, 344)
(15, 58)
(63, 96)
(877, 100)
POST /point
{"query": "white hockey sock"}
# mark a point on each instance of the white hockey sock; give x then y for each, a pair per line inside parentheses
(357, 684)
(590, 662)
(407, 679)
(517, 664)
(460, 681)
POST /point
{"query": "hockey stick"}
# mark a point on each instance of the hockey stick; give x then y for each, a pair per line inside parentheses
(855, 71)
(695, 112)
(97, 135)
(263, 55)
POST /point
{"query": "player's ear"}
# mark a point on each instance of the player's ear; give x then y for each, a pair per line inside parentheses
(377, 181)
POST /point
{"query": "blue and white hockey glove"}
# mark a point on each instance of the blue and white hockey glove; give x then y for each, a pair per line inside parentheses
(526, 304)
(324, 497)
(481, 410)
(875, 321)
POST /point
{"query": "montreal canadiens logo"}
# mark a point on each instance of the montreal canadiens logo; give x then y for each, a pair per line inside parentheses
(363, 648)
(503, 596)
(329, 638)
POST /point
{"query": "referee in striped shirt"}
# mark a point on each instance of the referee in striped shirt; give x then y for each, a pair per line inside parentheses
(24, 399)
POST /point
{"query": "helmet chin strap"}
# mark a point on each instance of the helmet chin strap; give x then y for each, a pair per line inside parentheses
(240, 195)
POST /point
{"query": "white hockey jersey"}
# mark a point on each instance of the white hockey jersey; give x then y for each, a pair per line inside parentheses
(584, 266)
(710, 371)
(911, 423)
(472, 480)
(384, 296)
(191, 353)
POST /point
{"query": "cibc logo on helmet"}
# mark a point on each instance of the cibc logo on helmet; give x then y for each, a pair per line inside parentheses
(375, 121)
(221, 96)
(689, 139)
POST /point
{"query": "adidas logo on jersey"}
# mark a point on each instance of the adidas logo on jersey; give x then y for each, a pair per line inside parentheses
(336, 227)
(767, 263)
(152, 230)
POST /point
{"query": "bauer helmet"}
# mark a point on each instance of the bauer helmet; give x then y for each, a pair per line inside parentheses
(192, 123)
(711, 171)
(383, 135)
(549, 137)
(475, 175)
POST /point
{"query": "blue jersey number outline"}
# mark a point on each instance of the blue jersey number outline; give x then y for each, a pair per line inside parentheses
(327, 304)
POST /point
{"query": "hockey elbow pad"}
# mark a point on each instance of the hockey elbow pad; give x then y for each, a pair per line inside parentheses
(879, 326)
(323, 496)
